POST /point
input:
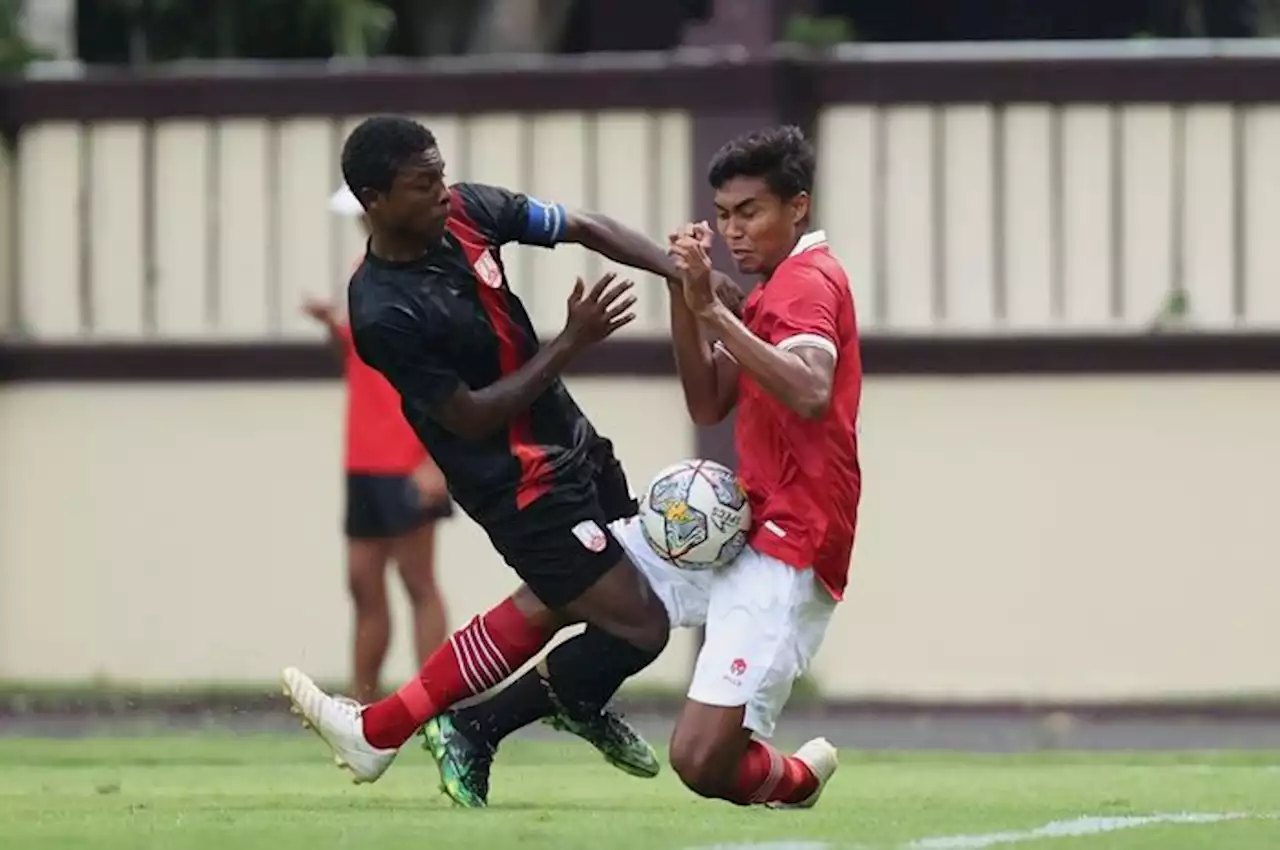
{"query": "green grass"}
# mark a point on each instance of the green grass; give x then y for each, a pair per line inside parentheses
(278, 792)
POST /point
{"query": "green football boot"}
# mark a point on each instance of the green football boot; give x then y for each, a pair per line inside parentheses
(464, 766)
(620, 744)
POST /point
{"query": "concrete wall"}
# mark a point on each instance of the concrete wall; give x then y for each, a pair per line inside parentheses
(1053, 538)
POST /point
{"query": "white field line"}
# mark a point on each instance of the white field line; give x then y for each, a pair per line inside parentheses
(1084, 826)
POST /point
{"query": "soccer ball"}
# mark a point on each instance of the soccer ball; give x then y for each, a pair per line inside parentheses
(695, 515)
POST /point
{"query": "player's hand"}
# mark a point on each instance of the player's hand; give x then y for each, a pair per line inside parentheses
(320, 309)
(431, 484)
(694, 263)
(696, 230)
(597, 312)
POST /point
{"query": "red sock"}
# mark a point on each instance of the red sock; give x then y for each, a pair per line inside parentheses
(767, 776)
(474, 659)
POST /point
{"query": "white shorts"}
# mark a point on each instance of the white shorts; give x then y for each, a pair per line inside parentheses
(765, 622)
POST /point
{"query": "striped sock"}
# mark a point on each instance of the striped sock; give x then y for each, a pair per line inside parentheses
(767, 776)
(476, 658)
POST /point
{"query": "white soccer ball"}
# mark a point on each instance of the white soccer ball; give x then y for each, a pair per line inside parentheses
(696, 515)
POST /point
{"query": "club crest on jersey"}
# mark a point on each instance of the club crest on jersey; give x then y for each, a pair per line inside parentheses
(590, 535)
(488, 271)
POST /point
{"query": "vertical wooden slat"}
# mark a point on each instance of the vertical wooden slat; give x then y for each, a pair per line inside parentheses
(674, 170)
(273, 205)
(1146, 175)
(556, 138)
(968, 208)
(846, 197)
(908, 218)
(591, 169)
(879, 216)
(1209, 216)
(84, 230)
(1177, 204)
(305, 167)
(117, 219)
(183, 248)
(1028, 203)
(1262, 211)
(1057, 217)
(999, 213)
(213, 218)
(1239, 213)
(938, 214)
(655, 308)
(244, 229)
(9, 307)
(49, 212)
(1086, 218)
(1118, 198)
(626, 189)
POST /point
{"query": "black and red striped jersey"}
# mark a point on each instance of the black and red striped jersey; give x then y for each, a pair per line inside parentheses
(449, 319)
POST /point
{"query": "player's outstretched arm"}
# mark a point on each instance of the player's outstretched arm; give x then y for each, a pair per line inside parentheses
(618, 242)
(326, 314)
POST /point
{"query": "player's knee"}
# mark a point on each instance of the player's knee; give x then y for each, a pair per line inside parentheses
(368, 592)
(421, 589)
(654, 631)
(698, 767)
(651, 629)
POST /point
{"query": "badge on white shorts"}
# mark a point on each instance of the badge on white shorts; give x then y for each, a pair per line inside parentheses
(590, 535)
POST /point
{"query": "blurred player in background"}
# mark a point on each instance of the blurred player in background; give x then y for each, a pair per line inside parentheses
(395, 494)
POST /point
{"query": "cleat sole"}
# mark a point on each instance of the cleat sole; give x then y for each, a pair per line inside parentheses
(338, 761)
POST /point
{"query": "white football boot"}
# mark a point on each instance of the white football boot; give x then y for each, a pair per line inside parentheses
(337, 721)
(821, 758)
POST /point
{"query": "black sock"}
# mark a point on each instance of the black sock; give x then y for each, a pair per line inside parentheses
(584, 674)
(526, 700)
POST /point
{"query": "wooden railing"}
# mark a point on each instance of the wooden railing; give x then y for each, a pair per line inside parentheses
(969, 194)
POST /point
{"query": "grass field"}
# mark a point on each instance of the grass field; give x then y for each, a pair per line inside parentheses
(222, 791)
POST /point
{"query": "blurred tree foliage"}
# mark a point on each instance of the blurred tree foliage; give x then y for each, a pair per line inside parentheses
(136, 31)
(15, 50)
(987, 20)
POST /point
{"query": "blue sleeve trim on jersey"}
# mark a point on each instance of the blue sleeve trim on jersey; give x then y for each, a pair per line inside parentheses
(544, 223)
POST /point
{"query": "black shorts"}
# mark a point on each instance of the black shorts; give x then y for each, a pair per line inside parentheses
(385, 506)
(559, 547)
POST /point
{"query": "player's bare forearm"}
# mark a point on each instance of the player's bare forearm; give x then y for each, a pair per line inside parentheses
(613, 239)
(799, 379)
(334, 336)
(708, 394)
(479, 414)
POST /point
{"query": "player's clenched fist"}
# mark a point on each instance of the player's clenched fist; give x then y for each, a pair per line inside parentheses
(694, 264)
(596, 313)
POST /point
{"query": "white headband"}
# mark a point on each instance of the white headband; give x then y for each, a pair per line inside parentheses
(343, 202)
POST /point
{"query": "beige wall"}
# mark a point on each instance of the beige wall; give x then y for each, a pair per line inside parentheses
(1067, 538)
(194, 533)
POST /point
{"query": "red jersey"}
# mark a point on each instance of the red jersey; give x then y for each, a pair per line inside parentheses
(802, 476)
(379, 440)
